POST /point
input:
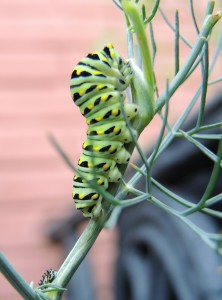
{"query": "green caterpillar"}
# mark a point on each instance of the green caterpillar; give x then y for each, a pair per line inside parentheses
(98, 85)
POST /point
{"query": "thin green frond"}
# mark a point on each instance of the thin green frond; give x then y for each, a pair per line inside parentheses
(201, 147)
(177, 41)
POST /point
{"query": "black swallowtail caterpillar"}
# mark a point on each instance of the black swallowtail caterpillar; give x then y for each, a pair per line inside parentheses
(98, 85)
(48, 277)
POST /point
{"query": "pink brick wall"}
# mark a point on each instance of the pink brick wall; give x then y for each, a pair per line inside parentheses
(40, 43)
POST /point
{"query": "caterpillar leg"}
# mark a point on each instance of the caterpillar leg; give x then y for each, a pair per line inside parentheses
(93, 212)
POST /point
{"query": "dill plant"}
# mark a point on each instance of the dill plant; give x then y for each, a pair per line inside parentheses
(142, 51)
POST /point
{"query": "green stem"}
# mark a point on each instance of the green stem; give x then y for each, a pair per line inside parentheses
(214, 200)
(205, 74)
(193, 16)
(131, 10)
(207, 237)
(143, 97)
(15, 279)
(153, 12)
(205, 127)
(210, 186)
(77, 254)
(185, 202)
(174, 29)
(201, 147)
(170, 136)
(177, 42)
(143, 82)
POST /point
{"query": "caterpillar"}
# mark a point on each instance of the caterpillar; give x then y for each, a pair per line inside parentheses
(48, 277)
(98, 84)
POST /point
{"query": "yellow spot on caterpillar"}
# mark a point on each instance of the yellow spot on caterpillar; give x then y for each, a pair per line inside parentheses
(78, 72)
(111, 149)
(96, 148)
(100, 132)
(90, 165)
(99, 87)
(112, 52)
(82, 92)
(95, 196)
(105, 167)
(98, 119)
(115, 112)
(104, 98)
(105, 60)
(84, 145)
(96, 73)
(100, 181)
(81, 196)
(110, 45)
(79, 162)
(116, 130)
(90, 106)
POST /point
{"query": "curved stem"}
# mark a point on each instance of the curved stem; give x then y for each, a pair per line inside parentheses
(143, 82)
(153, 12)
(132, 11)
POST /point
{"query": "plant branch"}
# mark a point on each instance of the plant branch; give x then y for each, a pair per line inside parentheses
(211, 184)
(15, 279)
(207, 27)
(77, 254)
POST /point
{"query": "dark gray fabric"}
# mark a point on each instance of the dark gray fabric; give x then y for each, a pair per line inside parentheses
(160, 258)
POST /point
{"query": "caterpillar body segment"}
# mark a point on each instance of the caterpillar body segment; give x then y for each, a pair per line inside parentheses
(86, 179)
(106, 149)
(85, 91)
(113, 113)
(99, 165)
(117, 131)
(96, 103)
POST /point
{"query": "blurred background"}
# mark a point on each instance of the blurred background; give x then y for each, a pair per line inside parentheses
(40, 43)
